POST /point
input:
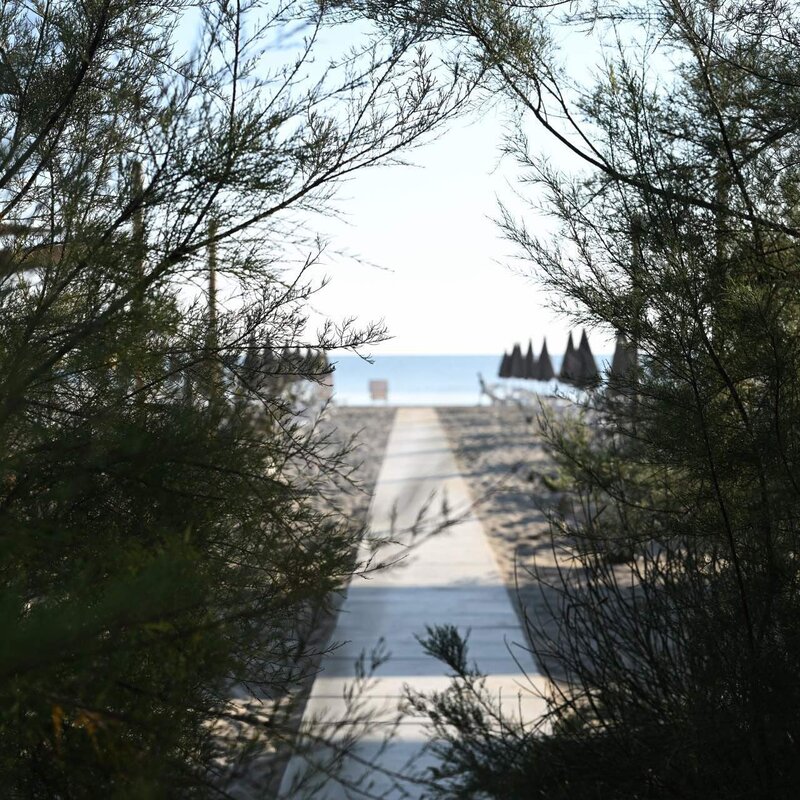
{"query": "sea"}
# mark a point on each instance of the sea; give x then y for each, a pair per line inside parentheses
(432, 380)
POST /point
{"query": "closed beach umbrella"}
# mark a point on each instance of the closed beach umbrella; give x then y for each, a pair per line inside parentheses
(505, 366)
(289, 363)
(571, 365)
(250, 359)
(624, 359)
(517, 363)
(268, 365)
(311, 361)
(269, 359)
(531, 367)
(544, 367)
(589, 374)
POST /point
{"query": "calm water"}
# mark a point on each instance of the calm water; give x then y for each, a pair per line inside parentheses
(427, 380)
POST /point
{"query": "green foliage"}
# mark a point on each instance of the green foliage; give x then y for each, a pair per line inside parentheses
(676, 641)
(163, 553)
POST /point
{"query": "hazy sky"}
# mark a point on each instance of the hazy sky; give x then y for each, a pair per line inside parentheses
(428, 258)
(446, 283)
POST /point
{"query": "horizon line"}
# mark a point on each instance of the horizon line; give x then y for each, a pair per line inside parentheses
(434, 355)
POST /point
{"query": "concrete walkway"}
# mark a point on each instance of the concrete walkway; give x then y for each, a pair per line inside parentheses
(451, 578)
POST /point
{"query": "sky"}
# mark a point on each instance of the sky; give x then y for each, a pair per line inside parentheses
(445, 280)
(437, 270)
(426, 256)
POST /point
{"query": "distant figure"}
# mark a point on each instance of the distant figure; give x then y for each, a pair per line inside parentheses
(379, 390)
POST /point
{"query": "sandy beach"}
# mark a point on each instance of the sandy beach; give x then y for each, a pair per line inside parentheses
(368, 428)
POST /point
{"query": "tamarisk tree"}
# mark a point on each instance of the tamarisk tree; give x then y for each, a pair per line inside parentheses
(676, 654)
(160, 557)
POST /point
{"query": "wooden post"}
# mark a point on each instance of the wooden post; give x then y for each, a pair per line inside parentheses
(138, 217)
(212, 282)
(638, 298)
(138, 258)
(211, 336)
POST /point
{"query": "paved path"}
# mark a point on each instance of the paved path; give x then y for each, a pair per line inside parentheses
(450, 578)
